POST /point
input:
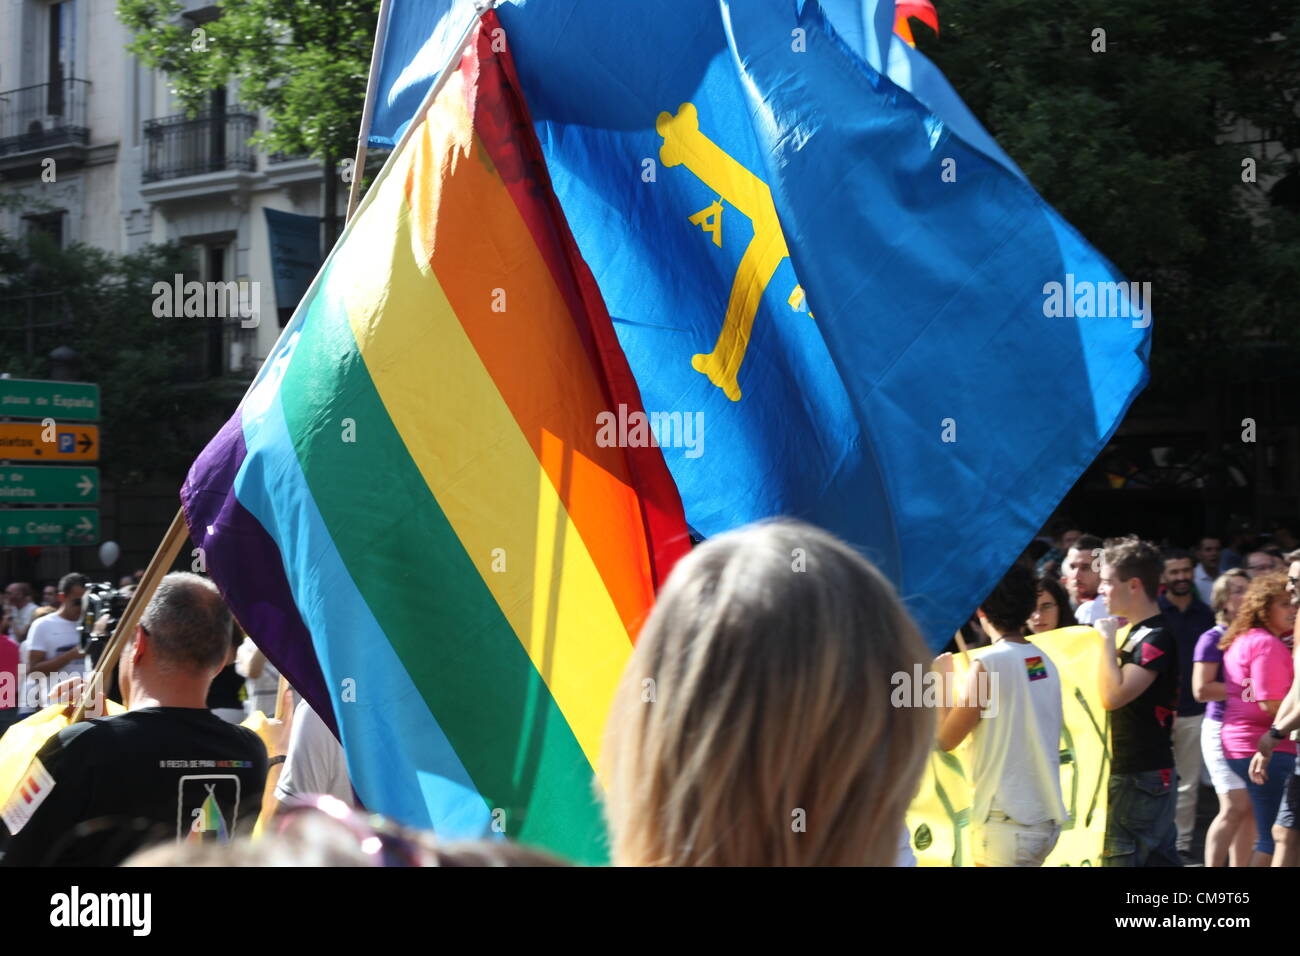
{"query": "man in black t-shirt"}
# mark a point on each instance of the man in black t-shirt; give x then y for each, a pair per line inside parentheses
(226, 694)
(1139, 686)
(167, 770)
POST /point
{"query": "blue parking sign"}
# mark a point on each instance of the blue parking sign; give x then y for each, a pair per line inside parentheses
(67, 443)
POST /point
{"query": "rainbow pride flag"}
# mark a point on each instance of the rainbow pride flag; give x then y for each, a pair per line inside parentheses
(208, 823)
(411, 512)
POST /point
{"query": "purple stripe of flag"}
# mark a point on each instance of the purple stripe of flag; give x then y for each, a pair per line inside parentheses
(246, 566)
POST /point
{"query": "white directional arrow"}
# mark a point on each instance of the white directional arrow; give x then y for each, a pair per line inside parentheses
(85, 485)
(84, 526)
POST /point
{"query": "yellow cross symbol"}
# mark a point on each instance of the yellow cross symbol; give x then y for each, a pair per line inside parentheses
(684, 144)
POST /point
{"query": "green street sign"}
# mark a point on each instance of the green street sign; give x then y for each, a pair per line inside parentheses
(62, 401)
(37, 526)
(25, 485)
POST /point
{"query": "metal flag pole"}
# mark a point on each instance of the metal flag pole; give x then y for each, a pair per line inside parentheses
(367, 111)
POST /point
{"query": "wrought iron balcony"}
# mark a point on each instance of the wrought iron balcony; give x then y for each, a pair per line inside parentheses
(43, 116)
(178, 146)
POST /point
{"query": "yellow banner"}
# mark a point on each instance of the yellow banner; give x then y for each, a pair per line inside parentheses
(21, 742)
(939, 817)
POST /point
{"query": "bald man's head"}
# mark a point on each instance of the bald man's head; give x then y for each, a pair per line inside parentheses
(188, 624)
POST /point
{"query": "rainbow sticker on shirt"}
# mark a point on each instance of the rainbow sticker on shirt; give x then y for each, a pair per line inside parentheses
(1035, 668)
(200, 817)
(209, 825)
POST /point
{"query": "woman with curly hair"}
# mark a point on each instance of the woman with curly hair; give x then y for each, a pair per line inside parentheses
(1257, 673)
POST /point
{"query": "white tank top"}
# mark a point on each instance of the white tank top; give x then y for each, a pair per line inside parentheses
(1018, 739)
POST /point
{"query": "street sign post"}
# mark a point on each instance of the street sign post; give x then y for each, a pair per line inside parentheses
(62, 401)
(23, 441)
(56, 433)
(48, 526)
(27, 485)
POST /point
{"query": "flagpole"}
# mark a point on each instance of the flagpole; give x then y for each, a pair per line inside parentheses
(158, 566)
(961, 646)
(367, 111)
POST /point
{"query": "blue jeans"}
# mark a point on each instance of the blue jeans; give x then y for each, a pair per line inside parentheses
(1140, 827)
(1265, 798)
(1289, 815)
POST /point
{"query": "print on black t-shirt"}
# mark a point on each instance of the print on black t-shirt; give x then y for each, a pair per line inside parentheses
(205, 803)
(156, 774)
(1142, 730)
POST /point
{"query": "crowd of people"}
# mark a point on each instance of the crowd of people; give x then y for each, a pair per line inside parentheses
(773, 737)
(1203, 689)
(37, 641)
(42, 646)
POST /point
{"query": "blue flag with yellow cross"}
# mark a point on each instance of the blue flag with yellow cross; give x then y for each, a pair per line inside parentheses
(837, 295)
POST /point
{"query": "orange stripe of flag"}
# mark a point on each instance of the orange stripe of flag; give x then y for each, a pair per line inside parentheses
(480, 248)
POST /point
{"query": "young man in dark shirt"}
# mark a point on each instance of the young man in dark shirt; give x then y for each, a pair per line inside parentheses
(167, 770)
(1139, 686)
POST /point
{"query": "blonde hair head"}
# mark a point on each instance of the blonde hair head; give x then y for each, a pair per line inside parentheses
(1219, 593)
(753, 724)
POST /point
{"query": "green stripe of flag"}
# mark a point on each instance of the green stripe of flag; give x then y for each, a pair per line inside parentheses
(430, 600)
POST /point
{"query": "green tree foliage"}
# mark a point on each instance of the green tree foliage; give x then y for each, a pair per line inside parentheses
(304, 62)
(1141, 147)
(158, 411)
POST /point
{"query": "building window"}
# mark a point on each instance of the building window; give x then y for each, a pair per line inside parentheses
(49, 224)
(63, 51)
(135, 101)
(215, 271)
(217, 128)
(213, 263)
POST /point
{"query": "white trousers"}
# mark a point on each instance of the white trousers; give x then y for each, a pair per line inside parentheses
(1187, 760)
(1001, 841)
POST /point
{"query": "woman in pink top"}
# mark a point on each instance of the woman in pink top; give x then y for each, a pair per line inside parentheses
(1257, 672)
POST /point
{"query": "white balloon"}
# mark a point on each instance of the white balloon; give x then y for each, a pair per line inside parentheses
(109, 553)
